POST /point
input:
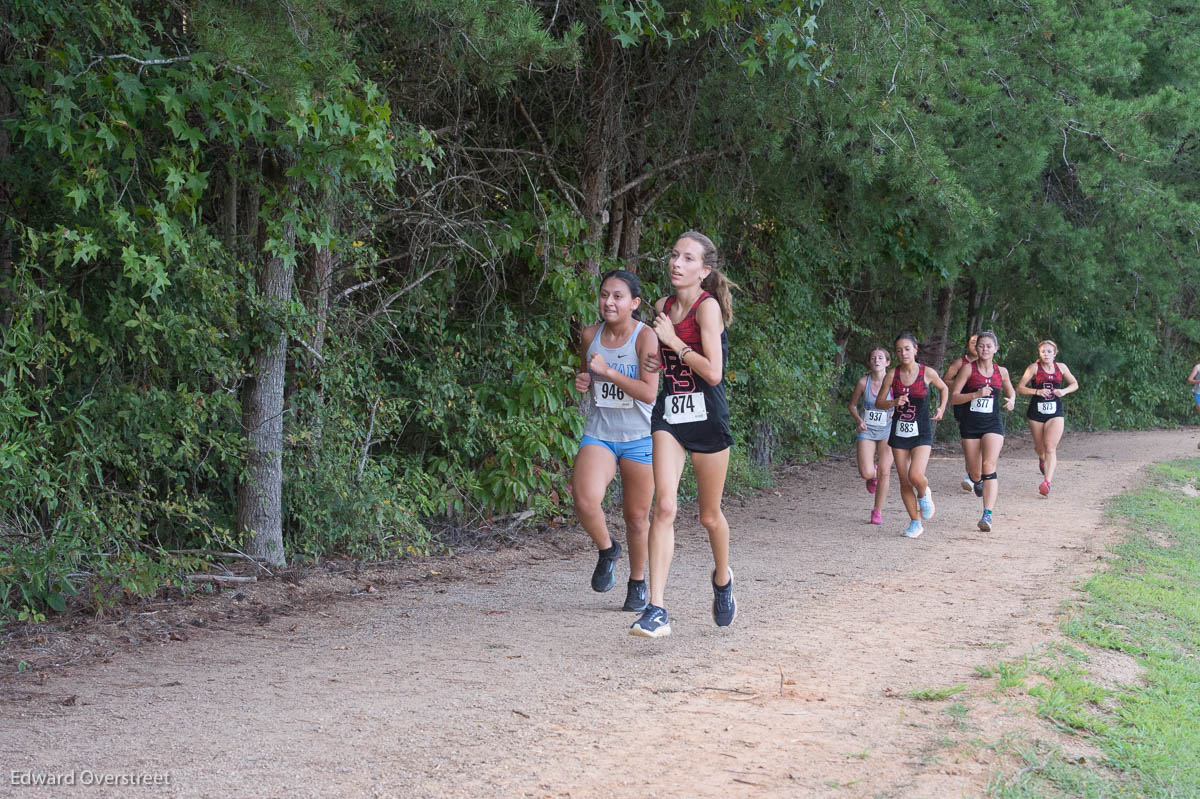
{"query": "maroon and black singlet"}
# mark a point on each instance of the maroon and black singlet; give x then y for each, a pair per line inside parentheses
(911, 426)
(1040, 408)
(981, 415)
(687, 407)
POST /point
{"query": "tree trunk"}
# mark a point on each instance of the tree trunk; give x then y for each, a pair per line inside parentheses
(936, 356)
(974, 300)
(762, 450)
(604, 121)
(260, 492)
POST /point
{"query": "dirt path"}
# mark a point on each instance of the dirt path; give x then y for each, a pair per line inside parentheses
(514, 679)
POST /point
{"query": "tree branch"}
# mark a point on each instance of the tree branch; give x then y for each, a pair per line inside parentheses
(653, 173)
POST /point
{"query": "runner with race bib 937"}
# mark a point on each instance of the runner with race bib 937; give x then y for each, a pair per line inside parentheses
(874, 424)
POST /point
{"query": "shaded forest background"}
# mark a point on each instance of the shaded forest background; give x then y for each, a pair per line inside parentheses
(301, 277)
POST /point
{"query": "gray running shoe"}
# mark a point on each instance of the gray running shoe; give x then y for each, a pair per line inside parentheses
(602, 576)
(724, 606)
(635, 596)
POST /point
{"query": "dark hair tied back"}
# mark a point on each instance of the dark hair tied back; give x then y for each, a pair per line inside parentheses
(630, 280)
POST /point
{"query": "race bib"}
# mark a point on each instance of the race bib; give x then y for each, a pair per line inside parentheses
(1047, 407)
(876, 418)
(610, 395)
(906, 429)
(983, 404)
(681, 408)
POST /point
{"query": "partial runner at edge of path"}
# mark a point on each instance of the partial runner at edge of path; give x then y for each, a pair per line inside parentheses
(524, 683)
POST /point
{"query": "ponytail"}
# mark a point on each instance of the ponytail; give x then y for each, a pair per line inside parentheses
(716, 283)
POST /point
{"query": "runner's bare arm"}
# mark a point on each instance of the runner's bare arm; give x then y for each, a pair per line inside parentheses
(956, 394)
(650, 361)
(583, 378)
(883, 400)
(932, 378)
(708, 366)
(1026, 377)
(1070, 384)
(1010, 393)
(859, 388)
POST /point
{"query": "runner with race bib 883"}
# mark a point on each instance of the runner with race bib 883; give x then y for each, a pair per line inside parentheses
(690, 416)
(906, 388)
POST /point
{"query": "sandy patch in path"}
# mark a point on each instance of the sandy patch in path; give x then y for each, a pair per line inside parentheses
(517, 680)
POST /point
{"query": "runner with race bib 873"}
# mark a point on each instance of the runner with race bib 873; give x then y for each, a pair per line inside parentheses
(1046, 382)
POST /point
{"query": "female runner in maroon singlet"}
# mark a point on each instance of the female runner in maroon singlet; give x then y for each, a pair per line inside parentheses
(690, 417)
(979, 388)
(1046, 382)
(906, 388)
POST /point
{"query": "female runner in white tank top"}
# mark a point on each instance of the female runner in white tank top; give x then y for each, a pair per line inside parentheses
(619, 395)
(874, 425)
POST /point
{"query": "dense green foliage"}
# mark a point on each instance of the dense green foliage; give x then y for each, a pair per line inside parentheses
(438, 183)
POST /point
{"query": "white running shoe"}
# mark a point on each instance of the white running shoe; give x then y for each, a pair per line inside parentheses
(926, 504)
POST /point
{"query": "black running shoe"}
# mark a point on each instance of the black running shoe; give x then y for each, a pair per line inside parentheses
(724, 608)
(635, 596)
(602, 576)
(979, 489)
(654, 623)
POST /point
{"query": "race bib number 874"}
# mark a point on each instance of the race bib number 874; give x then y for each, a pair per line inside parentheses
(682, 408)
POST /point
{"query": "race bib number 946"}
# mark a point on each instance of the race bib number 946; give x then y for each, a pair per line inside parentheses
(610, 395)
(682, 408)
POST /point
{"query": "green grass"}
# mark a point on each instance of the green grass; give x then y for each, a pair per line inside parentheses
(1145, 605)
(936, 694)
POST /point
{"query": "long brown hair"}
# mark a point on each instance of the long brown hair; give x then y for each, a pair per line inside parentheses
(716, 283)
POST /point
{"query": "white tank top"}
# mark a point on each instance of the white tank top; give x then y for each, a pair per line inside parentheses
(613, 415)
